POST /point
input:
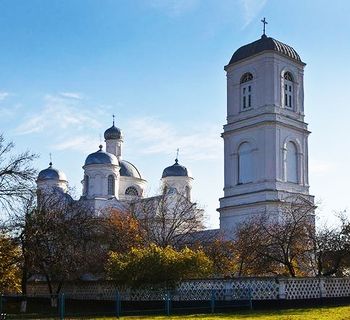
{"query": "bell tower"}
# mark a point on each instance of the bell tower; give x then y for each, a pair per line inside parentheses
(265, 137)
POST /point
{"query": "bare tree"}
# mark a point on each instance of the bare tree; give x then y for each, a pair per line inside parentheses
(331, 249)
(60, 241)
(278, 243)
(168, 219)
(16, 174)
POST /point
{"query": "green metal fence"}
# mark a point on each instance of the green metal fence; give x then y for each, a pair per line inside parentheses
(161, 302)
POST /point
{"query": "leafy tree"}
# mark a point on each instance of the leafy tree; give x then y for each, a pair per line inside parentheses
(10, 277)
(156, 266)
(120, 231)
(222, 253)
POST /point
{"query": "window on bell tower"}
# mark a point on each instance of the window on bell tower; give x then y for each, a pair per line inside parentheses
(246, 90)
(245, 163)
(288, 89)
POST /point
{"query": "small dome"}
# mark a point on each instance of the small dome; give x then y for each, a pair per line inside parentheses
(113, 133)
(127, 169)
(264, 44)
(176, 170)
(51, 174)
(101, 157)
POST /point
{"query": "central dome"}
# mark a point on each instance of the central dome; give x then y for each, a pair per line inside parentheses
(176, 170)
(264, 44)
(51, 174)
(101, 157)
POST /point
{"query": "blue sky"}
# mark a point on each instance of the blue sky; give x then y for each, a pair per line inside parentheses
(67, 65)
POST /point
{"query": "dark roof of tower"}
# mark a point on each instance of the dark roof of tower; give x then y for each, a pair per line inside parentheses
(264, 44)
(176, 170)
(51, 174)
(127, 169)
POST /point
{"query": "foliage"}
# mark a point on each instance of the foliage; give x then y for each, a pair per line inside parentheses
(167, 219)
(221, 252)
(121, 231)
(157, 266)
(16, 174)
(10, 277)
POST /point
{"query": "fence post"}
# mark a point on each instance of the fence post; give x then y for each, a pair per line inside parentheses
(281, 289)
(117, 304)
(167, 303)
(61, 306)
(323, 291)
(212, 301)
(250, 298)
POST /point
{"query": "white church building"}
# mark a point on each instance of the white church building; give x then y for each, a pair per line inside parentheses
(110, 181)
(265, 143)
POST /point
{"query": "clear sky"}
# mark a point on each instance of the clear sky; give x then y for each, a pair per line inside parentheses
(67, 65)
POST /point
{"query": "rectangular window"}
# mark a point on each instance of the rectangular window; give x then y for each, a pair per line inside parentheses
(290, 101)
(285, 87)
(290, 88)
(285, 100)
(244, 102)
(249, 101)
(243, 90)
(249, 88)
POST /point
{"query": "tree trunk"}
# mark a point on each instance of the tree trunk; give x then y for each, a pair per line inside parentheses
(23, 307)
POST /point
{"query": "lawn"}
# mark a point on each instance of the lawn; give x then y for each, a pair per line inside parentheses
(324, 313)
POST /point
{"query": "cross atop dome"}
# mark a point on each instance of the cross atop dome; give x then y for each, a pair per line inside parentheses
(264, 26)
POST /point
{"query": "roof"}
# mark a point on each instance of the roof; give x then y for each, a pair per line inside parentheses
(176, 170)
(127, 169)
(113, 133)
(101, 157)
(264, 44)
(51, 173)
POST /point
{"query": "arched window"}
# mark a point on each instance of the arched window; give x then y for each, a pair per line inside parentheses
(111, 188)
(292, 163)
(131, 191)
(246, 91)
(288, 85)
(245, 163)
(86, 182)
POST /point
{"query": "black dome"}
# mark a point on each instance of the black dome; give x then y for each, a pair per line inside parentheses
(176, 170)
(51, 174)
(113, 133)
(127, 169)
(264, 44)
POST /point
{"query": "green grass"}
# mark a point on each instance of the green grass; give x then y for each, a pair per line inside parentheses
(324, 313)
